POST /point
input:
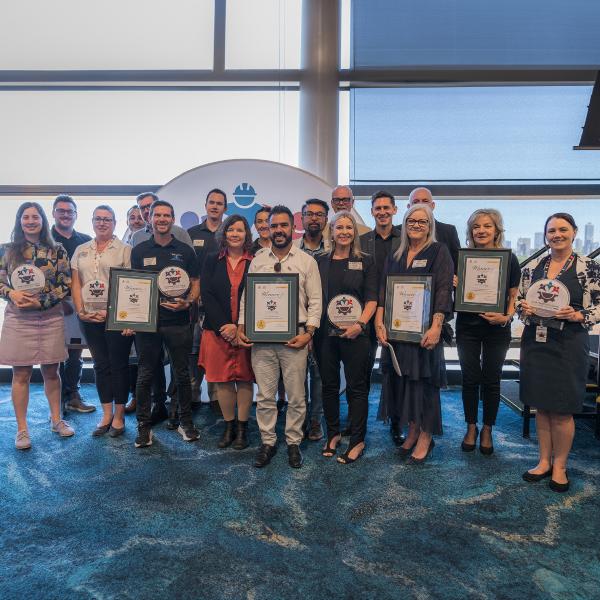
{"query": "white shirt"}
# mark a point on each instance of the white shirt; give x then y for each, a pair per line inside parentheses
(93, 265)
(297, 261)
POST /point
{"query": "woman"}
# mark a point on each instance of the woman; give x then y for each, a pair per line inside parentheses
(227, 364)
(91, 266)
(482, 339)
(554, 352)
(346, 271)
(33, 328)
(135, 222)
(261, 224)
(413, 398)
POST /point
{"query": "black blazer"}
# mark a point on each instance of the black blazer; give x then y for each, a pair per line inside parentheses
(361, 283)
(215, 288)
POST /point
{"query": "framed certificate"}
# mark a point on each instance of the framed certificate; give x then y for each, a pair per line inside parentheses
(271, 306)
(482, 280)
(132, 300)
(408, 306)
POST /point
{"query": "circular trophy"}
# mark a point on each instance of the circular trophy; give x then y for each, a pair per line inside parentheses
(344, 310)
(94, 294)
(28, 278)
(173, 282)
(547, 296)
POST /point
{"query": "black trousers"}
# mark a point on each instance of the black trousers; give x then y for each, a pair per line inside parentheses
(110, 353)
(70, 372)
(178, 340)
(481, 350)
(355, 355)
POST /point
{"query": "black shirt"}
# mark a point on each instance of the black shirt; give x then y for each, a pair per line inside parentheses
(151, 256)
(382, 248)
(337, 268)
(203, 240)
(70, 244)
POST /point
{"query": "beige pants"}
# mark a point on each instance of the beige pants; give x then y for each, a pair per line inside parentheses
(267, 361)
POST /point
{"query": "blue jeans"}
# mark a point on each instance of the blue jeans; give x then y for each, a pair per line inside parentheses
(314, 389)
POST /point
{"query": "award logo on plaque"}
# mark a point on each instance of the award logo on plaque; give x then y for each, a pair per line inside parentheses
(173, 282)
(547, 296)
(94, 294)
(28, 278)
(343, 310)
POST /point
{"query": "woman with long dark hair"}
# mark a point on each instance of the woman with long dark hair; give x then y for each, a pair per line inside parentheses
(226, 363)
(555, 350)
(34, 278)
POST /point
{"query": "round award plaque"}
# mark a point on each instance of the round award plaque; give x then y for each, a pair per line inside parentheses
(28, 278)
(547, 296)
(344, 310)
(94, 294)
(173, 282)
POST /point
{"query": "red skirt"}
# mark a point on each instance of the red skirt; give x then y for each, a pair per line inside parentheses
(223, 362)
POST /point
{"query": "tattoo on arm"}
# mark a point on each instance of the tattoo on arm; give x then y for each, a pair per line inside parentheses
(438, 319)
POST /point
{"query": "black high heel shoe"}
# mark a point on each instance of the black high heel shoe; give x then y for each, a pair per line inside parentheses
(419, 461)
(345, 459)
(486, 450)
(470, 447)
(329, 451)
(404, 452)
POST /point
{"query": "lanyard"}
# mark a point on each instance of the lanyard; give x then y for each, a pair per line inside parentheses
(565, 267)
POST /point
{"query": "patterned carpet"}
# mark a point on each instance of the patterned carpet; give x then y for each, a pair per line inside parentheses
(95, 518)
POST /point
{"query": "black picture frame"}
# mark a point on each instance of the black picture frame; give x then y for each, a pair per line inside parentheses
(116, 322)
(395, 332)
(461, 303)
(254, 332)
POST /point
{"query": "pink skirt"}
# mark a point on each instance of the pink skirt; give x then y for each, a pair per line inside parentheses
(32, 337)
(223, 362)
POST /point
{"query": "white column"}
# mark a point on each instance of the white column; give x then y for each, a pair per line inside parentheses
(319, 88)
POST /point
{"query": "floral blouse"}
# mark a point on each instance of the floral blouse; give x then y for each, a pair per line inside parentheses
(54, 264)
(588, 275)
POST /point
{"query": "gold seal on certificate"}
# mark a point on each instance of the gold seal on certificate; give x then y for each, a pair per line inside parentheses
(28, 278)
(94, 294)
(173, 282)
(547, 296)
(343, 310)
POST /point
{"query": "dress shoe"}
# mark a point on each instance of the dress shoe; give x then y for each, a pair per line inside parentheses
(470, 447)
(114, 432)
(228, 435)
(396, 434)
(264, 455)
(159, 413)
(76, 403)
(241, 437)
(315, 431)
(420, 461)
(559, 487)
(130, 406)
(486, 450)
(533, 477)
(101, 429)
(405, 452)
(294, 456)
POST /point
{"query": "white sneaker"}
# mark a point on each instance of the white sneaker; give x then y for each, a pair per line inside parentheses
(63, 429)
(23, 441)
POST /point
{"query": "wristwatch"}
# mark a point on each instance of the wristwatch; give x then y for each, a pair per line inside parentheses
(363, 326)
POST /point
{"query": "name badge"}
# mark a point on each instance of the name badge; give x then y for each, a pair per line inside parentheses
(151, 260)
(198, 243)
(541, 334)
(419, 264)
(355, 266)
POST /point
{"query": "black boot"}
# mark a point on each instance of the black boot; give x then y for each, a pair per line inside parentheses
(241, 439)
(228, 435)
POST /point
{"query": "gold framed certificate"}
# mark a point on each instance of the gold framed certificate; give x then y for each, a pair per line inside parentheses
(271, 306)
(408, 306)
(133, 300)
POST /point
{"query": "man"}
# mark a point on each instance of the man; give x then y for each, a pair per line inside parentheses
(64, 211)
(144, 202)
(342, 198)
(444, 233)
(270, 359)
(203, 241)
(314, 222)
(160, 251)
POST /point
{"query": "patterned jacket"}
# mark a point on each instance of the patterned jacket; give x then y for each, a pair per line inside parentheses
(588, 275)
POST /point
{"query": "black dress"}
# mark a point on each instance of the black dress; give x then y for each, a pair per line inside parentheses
(415, 396)
(554, 373)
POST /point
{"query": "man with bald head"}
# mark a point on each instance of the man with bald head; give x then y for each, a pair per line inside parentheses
(342, 198)
(445, 233)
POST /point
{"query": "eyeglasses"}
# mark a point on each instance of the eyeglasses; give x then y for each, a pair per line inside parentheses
(341, 200)
(277, 267)
(311, 214)
(106, 220)
(417, 222)
(69, 212)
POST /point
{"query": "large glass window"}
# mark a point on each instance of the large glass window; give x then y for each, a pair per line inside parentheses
(139, 137)
(470, 133)
(112, 34)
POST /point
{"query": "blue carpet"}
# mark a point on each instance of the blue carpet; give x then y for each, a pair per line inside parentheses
(96, 518)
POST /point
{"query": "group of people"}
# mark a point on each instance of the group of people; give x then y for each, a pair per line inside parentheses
(204, 332)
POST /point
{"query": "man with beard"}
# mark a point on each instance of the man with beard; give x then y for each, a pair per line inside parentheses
(269, 359)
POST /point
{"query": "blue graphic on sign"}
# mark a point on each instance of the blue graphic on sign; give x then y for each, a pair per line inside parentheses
(244, 202)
